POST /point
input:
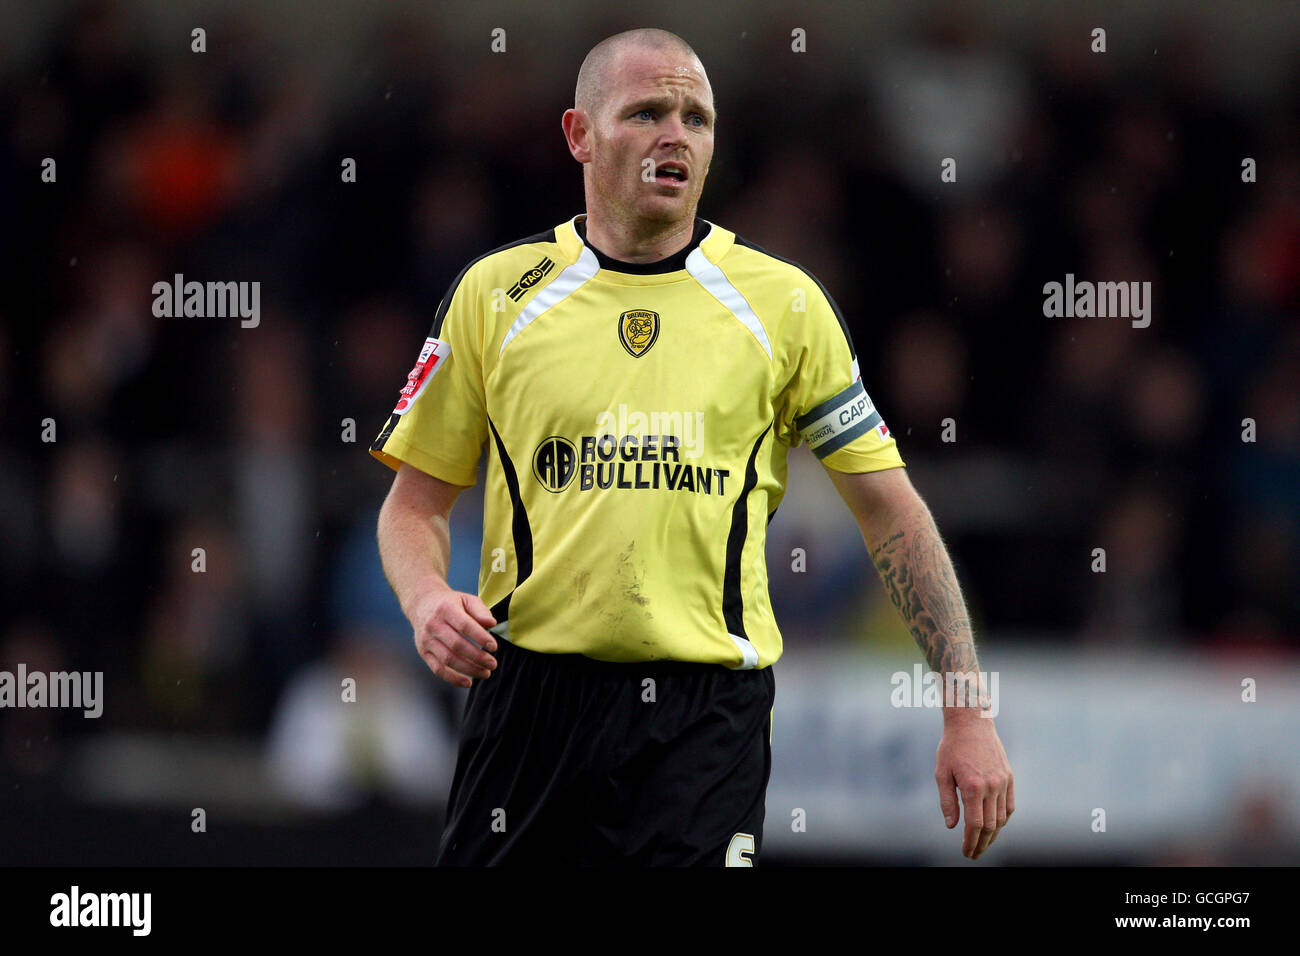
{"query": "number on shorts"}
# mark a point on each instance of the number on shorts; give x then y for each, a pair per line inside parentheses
(738, 850)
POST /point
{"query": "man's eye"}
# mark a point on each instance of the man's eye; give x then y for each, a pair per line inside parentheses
(646, 113)
(697, 116)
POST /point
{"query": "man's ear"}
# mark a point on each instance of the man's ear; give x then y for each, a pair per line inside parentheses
(577, 133)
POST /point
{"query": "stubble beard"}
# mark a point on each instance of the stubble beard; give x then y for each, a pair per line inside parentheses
(634, 211)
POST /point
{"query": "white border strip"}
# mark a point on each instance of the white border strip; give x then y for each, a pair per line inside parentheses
(719, 286)
(747, 652)
(570, 279)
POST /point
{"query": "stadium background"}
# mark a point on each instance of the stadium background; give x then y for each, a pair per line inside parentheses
(1120, 691)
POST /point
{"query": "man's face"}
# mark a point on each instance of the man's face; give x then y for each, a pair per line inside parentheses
(657, 106)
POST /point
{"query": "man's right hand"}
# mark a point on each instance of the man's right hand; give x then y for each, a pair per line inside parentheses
(448, 625)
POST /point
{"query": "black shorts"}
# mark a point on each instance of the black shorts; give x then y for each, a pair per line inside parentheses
(565, 760)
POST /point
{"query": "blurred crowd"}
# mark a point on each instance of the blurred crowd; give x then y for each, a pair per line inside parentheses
(175, 434)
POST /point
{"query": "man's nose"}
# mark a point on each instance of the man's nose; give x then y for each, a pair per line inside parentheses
(675, 132)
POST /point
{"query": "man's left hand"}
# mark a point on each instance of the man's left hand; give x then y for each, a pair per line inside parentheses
(971, 759)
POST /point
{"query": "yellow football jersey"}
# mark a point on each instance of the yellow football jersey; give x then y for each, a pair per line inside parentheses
(637, 419)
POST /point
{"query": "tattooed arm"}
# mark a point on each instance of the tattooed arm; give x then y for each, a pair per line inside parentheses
(918, 577)
(914, 566)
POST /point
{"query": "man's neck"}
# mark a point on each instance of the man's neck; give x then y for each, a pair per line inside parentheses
(639, 243)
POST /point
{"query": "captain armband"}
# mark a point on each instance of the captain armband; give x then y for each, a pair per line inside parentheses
(838, 420)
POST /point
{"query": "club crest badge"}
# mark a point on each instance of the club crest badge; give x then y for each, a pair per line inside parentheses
(637, 330)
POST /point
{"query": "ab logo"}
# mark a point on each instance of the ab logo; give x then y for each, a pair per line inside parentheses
(555, 463)
(637, 330)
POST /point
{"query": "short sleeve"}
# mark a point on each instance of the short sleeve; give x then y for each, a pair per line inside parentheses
(439, 424)
(824, 402)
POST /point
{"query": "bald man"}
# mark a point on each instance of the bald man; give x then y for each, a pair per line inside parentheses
(637, 375)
